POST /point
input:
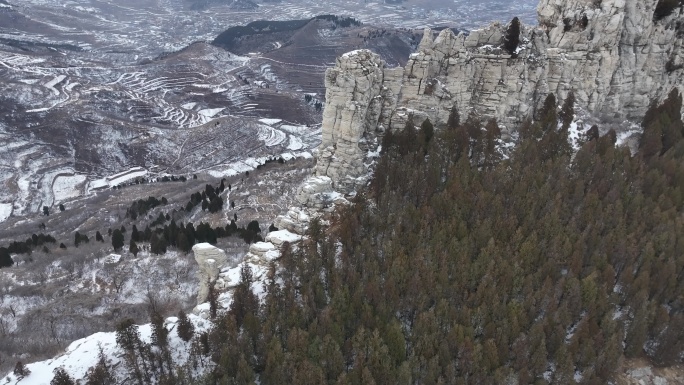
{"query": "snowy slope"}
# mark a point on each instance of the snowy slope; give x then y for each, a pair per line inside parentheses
(83, 354)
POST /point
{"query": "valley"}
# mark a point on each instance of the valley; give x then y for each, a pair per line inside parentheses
(341, 159)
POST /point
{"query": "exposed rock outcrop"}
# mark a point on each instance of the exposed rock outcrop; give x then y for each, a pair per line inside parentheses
(613, 54)
(210, 260)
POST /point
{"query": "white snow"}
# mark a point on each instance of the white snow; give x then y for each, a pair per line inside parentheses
(270, 135)
(574, 135)
(112, 259)
(295, 129)
(66, 187)
(270, 122)
(52, 83)
(295, 143)
(98, 184)
(123, 177)
(578, 377)
(261, 247)
(83, 354)
(5, 211)
(355, 52)
(210, 112)
(203, 246)
(281, 236)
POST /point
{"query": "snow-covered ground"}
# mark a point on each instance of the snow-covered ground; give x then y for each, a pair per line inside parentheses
(5, 211)
(83, 354)
(66, 187)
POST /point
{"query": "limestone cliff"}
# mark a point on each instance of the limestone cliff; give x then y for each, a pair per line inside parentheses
(210, 260)
(613, 54)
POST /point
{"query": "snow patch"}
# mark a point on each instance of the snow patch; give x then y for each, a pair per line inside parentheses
(5, 211)
(66, 187)
(270, 122)
(210, 112)
(295, 143)
(83, 354)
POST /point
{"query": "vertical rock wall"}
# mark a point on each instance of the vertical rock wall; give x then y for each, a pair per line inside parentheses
(612, 53)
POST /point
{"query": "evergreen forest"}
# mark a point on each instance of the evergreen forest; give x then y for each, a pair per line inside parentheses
(459, 265)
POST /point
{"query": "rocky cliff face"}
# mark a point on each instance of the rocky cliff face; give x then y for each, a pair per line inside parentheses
(210, 260)
(612, 54)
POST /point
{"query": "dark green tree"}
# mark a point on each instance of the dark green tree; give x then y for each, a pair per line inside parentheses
(5, 258)
(133, 248)
(185, 328)
(567, 112)
(512, 37)
(117, 240)
(61, 377)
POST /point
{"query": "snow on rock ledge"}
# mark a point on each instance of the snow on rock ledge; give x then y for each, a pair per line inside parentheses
(278, 238)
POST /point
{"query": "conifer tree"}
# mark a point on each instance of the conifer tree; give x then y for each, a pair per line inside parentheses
(5, 258)
(62, 377)
(185, 328)
(100, 374)
(567, 112)
(20, 370)
(512, 37)
(159, 332)
(117, 240)
(133, 248)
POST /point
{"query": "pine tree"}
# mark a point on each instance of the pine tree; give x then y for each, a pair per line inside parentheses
(185, 328)
(62, 377)
(157, 244)
(127, 335)
(159, 332)
(20, 370)
(454, 120)
(512, 37)
(100, 374)
(98, 237)
(117, 240)
(427, 131)
(5, 258)
(567, 113)
(212, 298)
(135, 235)
(182, 242)
(133, 248)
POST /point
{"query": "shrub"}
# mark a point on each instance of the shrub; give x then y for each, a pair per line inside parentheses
(664, 8)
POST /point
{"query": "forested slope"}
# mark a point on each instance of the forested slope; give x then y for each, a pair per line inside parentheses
(460, 267)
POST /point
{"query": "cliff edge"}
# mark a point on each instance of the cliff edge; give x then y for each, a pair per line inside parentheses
(617, 56)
